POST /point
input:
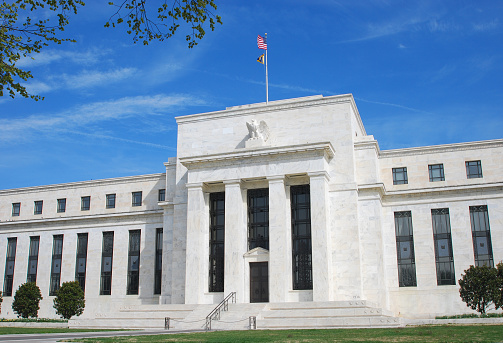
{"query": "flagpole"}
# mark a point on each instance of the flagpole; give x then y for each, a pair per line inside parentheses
(266, 76)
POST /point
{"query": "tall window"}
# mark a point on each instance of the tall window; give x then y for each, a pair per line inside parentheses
(405, 249)
(38, 207)
(162, 195)
(57, 255)
(158, 261)
(302, 262)
(133, 270)
(81, 263)
(436, 172)
(136, 199)
(106, 263)
(9, 266)
(16, 209)
(258, 218)
(473, 169)
(217, 242)
(33, 259)
(443, 246)
(61, 205)
(85, 203)
(481, 235)
(400, 176)
(110, 201)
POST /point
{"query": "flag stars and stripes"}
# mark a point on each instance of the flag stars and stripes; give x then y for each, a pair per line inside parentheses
(261, 42)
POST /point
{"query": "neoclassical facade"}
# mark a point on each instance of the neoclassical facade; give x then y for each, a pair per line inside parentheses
(285, 202)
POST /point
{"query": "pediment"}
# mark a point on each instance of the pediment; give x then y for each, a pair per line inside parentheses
(258, 251)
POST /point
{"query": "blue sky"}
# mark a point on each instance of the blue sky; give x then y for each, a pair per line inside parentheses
(422, 73)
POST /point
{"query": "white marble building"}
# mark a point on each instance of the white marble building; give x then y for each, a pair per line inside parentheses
(286, 202)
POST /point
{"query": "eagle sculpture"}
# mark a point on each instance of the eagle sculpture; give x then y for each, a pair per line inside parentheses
(258, 130)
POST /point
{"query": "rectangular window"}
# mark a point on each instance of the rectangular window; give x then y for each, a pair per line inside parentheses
(106, 263)
(38, 207)
(217, 242)
(162, 195)
(302, 262)
(110, 201)
(258, 218)
(10, 261)
(16, 209)
(85, 203)
(436, 172)
(481, 234)
(136, 198)
(400, 176)
(57, 255)
(443, 246)
(33, 259)
(81, 263)
(158, 261)
(405, 249)
(473, 169)
(133, 270)
(61, 205)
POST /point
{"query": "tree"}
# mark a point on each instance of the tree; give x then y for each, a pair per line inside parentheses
(498, 299)
(26, 300)
(20, 36)
(69, 300)
(478, 287)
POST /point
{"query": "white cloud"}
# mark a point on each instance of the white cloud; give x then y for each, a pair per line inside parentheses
(486, 26)
(89, 57)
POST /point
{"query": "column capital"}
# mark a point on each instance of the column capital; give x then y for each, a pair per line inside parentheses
(276, 178)
(195, 185)
(319, 174)
(232, 182)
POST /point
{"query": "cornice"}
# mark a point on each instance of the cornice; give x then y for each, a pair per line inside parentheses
(432, 149)
(324, 147)
(83, 184)
(371, 144)
(445, 189)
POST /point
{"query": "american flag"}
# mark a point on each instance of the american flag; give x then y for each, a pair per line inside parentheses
(261, 42)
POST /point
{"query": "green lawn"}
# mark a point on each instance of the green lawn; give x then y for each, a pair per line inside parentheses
(429, 333)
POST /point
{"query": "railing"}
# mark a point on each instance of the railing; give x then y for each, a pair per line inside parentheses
(223, 306)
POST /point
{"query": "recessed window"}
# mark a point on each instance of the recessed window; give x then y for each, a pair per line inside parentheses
(405, 249)
(136, 198)
(217, 242)
(443, 246)
(400, 176)
(436, 172)
(9, 266)
(33, 259)
(80, 268)
(106, 263)
(85, 203)
(61, 205)
(16, 208)
(162, 194)
(473, 169)
(158, 261)
(38, 207)
(57, 256)
(110, 200)
(133, 271)
(481, 235)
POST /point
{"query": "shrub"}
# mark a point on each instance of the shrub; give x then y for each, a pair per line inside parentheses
(498, 299)
(69, 300)
(26, 300)
(478, 287)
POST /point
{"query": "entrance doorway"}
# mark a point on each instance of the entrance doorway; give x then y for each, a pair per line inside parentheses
(259, 282)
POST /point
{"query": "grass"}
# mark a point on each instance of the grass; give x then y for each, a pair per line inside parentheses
(472, 315)
(426, 333)
(26, 330)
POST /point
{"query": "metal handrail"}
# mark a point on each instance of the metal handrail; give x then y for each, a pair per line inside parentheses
(223, 306)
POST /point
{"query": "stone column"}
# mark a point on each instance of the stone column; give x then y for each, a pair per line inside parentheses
(197, 245)
(280, 268)
(320, 236)
(167, 255)
(236, 234)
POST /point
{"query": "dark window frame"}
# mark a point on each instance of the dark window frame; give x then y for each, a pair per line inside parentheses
(107, 263)
(57, 263)
(31, 275)
(81, 259)
(85, 203)
(161, 195)
(400, 176)
(16, 209)
(217, 242)
(158, 260)
(481, 234)
(10, 264)
(258, 218)
(136, 198)
(444, 257)
(61, 205)
(473, 169)
(133, 269)
(110, 200)
(38, 206)
(432, 170)
(302, 257)
(405, 260)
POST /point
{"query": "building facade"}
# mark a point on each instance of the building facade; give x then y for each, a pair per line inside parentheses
(289, 201)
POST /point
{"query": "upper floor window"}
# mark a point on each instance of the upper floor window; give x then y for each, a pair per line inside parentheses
(85, 203)
(436, 172)
(38, 207)
(16, 208)
(110, 201)
(136, 198)
(473, 169)
(61, 205)
(400, 176)
(162, 194)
